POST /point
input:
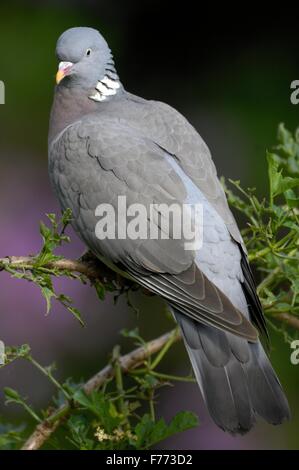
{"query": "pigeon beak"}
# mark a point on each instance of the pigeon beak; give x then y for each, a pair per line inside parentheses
(64, 69)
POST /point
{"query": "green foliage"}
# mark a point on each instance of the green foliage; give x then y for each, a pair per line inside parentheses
(11, 438)
(12, 396)
(272, 231)
(119, 415)
(40, 270)
(149, 433)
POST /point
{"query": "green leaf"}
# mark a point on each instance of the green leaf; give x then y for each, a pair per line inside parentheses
(291, 198)
(183, 421)
(278, 183)
(11, 438)
(284, 136)
(48, 294)
(14, 353)
(66, 217)
(77, 314)
(101, 406)
(133, 334)
(100, 289)
(52, 218)
(149, 432)
(45, 232)
(80, 427)
(149, 381)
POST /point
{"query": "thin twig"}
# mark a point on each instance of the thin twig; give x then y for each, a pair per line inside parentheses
(291, 320)
(127, 362)
(119, 383)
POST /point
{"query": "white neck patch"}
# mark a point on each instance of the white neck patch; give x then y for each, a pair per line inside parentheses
(108, 86)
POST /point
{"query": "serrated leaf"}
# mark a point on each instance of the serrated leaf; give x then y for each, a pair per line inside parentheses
(66, 217)
(100, 405)
(291, 198)
(149, 432)
(278, 183)
(79, 427)
(183, 421)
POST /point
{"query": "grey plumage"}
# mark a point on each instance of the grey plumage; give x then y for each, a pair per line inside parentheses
(105, 142)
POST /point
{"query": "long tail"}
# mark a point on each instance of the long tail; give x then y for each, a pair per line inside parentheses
(236, 378)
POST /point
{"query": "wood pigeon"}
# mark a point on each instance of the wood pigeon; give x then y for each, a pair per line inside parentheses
(105, 142)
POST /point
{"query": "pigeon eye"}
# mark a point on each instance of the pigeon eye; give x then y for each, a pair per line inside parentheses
(88, 52)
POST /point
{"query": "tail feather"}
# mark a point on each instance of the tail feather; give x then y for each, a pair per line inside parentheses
(268, 398)
(236, 378)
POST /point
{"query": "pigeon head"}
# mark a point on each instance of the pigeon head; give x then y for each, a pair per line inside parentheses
(85, 60)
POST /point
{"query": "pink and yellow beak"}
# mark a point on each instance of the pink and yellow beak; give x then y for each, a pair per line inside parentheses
(64, 69)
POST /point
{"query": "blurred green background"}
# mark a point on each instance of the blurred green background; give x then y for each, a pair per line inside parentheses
(229, 72)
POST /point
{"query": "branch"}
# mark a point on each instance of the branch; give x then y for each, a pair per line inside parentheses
(93, 269)
(88, 265)
(127, 362)
(291, 320)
